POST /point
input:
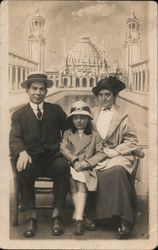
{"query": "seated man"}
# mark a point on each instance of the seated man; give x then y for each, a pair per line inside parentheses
(34, 142)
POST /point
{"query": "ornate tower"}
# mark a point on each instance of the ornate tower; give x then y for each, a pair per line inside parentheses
(133, 43)
(37, 40)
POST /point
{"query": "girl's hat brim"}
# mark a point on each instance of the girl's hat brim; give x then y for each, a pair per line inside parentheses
(77, 112)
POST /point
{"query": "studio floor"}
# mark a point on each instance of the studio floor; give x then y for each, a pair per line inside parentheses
(105, 230)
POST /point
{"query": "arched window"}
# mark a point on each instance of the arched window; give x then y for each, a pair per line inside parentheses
(91, 82)
(133, 26)
(65, 82)
(36, 23)
(77, 82)
(84, 82)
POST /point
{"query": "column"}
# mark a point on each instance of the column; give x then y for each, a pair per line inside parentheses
(60, 81)
(138, 86)
(25, 73)
(146, 81)
(142, 86)
(16, 77)
(81, 82)
(134, 81)
(11, 77)
(68, 82)
(73, 82)
(88, 82)
(131, 80)
(21, 76)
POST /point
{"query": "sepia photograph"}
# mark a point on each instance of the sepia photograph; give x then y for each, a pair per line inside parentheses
(78, 131)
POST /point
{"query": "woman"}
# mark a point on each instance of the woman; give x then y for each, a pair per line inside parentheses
(82, 147)
(115, 195)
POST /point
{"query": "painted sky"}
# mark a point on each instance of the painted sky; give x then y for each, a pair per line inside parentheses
(102, 21)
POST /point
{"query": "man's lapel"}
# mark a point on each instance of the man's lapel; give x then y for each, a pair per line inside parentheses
(80, 142)
(45, 118)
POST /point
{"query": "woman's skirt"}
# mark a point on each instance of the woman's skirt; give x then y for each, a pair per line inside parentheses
(115, 195)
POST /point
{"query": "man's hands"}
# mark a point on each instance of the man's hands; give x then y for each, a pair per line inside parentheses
(110, 153)
(80, 165)
(22, 161)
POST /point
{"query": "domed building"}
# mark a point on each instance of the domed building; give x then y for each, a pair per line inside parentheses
(84, 65)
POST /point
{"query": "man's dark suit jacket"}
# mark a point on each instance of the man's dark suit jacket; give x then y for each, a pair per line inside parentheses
(34, 136)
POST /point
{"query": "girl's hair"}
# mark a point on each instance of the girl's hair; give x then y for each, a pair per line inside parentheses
(87, 130)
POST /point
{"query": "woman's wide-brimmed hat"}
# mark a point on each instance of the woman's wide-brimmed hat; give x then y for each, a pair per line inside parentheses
(37, 76)
(80, 108)
(111, 83)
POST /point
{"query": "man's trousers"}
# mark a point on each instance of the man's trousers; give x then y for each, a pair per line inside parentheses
(45, 166)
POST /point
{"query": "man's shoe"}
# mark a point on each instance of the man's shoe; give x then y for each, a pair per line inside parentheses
(89, 224)
(124, 229)
(79, 227)
(30, 228)
(57, 228)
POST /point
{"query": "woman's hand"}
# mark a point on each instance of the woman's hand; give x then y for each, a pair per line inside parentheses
(77, 166)
(84, 164)
(111, 153)
(101, 166)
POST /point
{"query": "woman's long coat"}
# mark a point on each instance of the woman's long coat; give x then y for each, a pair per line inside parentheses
(86, 147)
(120, 137)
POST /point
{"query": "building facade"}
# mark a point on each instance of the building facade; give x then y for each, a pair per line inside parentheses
(37, 40)
(84, 65)
(19, 67)
(136, 63)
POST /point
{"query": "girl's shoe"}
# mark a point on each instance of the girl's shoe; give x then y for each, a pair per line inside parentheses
(79, 228)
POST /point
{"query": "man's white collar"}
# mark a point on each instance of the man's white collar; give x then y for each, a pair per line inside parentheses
(34, 106)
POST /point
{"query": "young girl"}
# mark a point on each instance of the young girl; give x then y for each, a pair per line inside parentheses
(82, 147)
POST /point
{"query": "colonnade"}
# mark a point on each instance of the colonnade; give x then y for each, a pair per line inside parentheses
(139, 77)
(18, 69)
(71, 81)
(76, 82)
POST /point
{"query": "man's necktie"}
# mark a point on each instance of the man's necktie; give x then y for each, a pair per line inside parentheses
(39, 113)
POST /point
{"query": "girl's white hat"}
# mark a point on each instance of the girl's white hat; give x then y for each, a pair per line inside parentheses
(80, 108)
